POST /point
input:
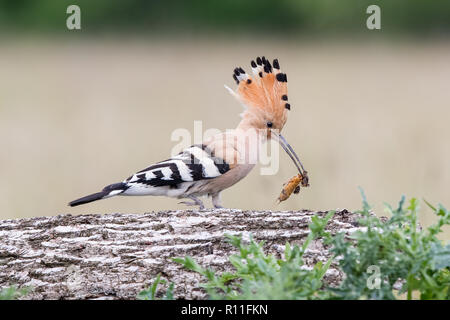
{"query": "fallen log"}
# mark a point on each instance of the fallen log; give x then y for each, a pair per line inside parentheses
(115, 256)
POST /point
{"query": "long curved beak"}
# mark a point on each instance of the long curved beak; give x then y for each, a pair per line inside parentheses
(291, 153)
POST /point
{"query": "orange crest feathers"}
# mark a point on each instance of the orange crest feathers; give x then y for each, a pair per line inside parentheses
(266, 91)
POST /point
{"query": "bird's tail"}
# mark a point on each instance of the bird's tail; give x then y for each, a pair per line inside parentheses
(109, 191)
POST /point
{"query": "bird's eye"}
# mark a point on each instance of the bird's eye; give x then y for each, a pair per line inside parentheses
(269, 124)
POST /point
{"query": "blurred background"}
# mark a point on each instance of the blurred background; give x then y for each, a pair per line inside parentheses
(80, 109)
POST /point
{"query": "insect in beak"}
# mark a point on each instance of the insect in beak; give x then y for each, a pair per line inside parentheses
(292, 186)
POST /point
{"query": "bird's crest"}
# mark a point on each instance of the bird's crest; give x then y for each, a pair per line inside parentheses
(266, 91)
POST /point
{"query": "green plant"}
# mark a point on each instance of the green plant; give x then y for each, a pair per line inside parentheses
(13, 293)
(401, 252)
(384, 259)
(261, 276)
(150, 293)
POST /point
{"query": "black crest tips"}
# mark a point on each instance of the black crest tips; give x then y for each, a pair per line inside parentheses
(253, 63)
(276, 65)
(235, 78)
(282, 77)
(267, 67)
(236, 71)
(259, 61)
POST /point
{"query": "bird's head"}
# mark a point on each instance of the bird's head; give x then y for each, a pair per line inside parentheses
(265, 100)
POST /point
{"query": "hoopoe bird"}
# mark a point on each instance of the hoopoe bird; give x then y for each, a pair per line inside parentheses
(223, 160)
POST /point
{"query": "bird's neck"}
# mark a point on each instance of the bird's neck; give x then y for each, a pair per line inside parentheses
(246, 128)
(245, 124)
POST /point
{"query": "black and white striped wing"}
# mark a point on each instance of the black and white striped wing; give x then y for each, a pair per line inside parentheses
(192, 164)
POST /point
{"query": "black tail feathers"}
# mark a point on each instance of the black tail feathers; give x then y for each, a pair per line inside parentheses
(89, 198)
(107, 192)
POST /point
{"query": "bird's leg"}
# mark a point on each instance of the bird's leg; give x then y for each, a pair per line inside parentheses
(196, 202)
(216, 201)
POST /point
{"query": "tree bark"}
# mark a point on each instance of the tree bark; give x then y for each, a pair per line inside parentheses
(115, 256)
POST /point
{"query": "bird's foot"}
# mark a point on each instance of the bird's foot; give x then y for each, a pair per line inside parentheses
(216, 201)
(188, 203)
(195, 202)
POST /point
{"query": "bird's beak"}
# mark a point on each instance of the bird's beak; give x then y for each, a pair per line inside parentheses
(291, 153)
